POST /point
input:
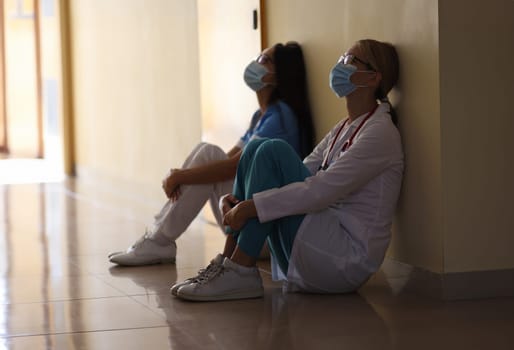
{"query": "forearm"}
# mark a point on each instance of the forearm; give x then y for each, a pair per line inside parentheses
(217, 171)
(248, 209)
(233, 151)
(237, 217)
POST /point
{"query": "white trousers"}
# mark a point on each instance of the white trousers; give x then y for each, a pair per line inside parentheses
(175, 217)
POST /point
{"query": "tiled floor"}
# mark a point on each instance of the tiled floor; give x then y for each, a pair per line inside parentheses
(58, 291)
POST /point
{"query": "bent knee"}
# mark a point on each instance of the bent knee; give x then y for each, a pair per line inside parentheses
(275, 147)
(252, 145)
(209, 147)
(207, 152)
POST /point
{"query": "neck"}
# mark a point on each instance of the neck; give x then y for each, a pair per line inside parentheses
(263, 96)
(357, 107)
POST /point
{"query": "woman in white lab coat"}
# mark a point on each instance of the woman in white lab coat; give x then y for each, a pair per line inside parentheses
(327, 219)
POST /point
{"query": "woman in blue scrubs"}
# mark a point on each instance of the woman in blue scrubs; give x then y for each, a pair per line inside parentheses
(278, 78)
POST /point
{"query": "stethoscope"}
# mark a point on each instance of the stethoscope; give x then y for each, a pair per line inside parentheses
(347, 143)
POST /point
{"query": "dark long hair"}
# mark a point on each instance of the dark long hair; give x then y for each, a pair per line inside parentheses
(291, 88)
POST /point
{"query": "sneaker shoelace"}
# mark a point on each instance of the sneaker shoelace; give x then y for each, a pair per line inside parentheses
(204, 271)
(216, 270)
(140, 241)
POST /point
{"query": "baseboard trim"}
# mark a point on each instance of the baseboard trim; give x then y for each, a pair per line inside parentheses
(456, 285)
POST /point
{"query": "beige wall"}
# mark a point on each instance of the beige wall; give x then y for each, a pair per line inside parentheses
(135, 86)
(477, 132)
(136, 83)
(326, 28)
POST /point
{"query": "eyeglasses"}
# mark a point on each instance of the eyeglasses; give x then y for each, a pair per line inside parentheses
(263, 59)
(349, 58)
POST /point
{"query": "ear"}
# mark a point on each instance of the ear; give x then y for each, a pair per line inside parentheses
(377, 79)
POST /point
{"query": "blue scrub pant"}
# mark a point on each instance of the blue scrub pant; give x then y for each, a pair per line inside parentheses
(266, 164)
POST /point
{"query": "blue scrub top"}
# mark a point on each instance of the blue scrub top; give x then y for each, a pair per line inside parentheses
(279, 121)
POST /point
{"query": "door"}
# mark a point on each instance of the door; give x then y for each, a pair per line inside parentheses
(3, 129)
(229, 35)
(22, 105)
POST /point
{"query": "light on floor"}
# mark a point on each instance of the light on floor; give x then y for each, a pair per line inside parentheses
(16, 171)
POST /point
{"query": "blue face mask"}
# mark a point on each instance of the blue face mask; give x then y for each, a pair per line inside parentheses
(253, 75)
(339, 79)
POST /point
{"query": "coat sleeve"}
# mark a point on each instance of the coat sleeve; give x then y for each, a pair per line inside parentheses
(371, 153)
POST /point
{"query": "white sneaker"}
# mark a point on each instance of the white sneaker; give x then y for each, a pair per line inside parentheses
(145, 252)
(224, 282)
(217, 261)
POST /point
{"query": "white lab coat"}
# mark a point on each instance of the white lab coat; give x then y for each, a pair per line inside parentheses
(349, 207)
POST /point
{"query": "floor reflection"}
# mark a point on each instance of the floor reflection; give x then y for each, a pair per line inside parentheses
(5, 263)
(58, 290)
(277, 321)
(327, 321)
(34, 235)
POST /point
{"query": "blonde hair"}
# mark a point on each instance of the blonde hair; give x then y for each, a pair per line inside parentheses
(383, 58)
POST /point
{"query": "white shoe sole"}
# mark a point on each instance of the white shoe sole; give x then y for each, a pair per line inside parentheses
(143, 263)
(234, 295)
(114, 254)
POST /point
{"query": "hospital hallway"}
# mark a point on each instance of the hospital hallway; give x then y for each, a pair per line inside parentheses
(58, 290)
